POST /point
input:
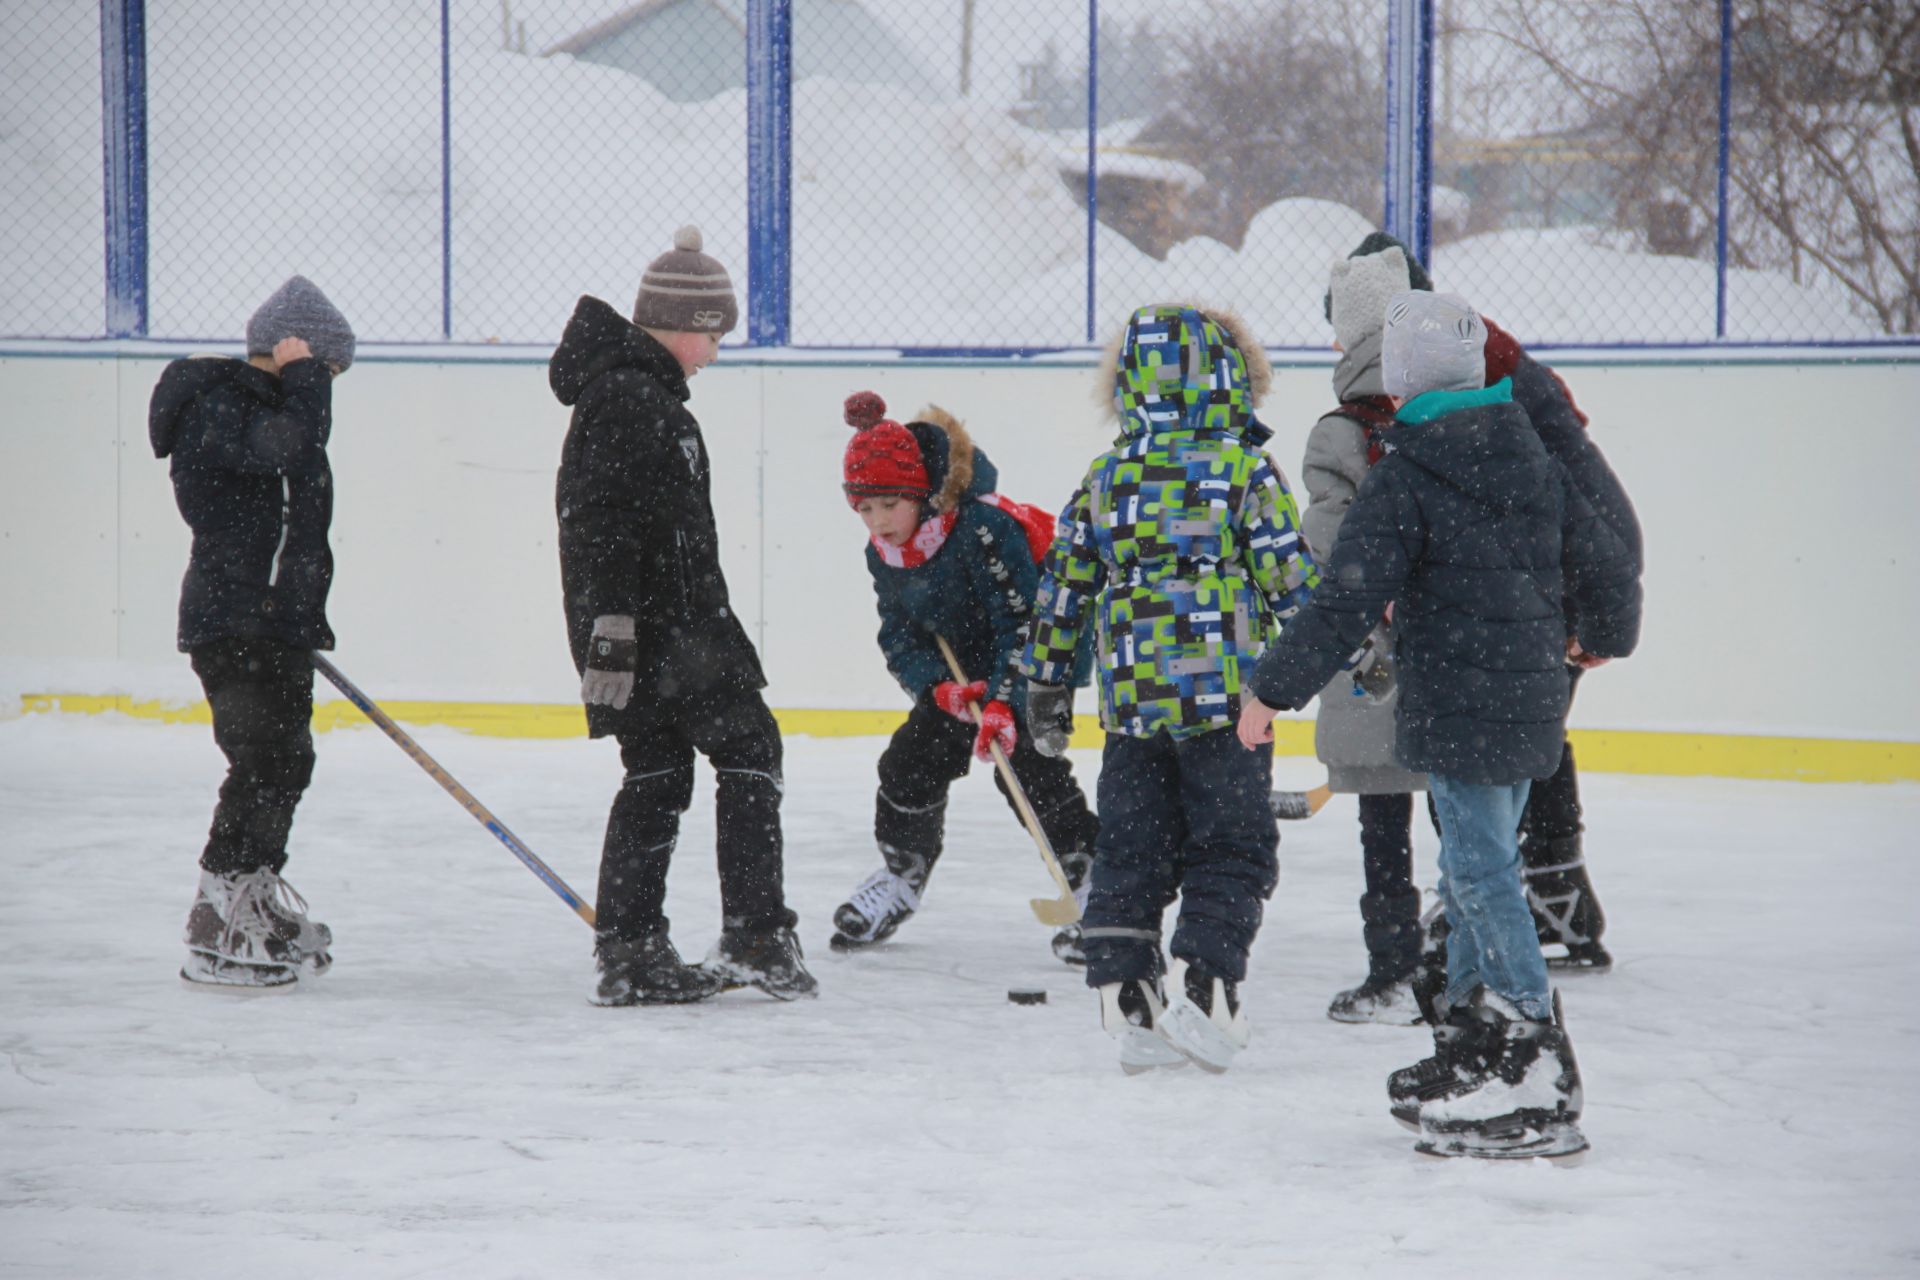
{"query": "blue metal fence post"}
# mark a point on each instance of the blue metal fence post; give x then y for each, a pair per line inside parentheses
(1720, 211)
(769, 172)
(123, 125)
(1093, 173)
(1408, 206)
(446, 173)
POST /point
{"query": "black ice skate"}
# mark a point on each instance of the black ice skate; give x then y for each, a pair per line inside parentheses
(1391, 924)
(768, 959)
(883, 901)
(647, 970)
(1067, 942)
(1204, 1020)
(1132, 1012)
(251, 930)
(1460, 1048)
(1566, 914)
(1520, 1098)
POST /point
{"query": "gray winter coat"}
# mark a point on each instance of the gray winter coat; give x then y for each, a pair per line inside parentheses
(1354, 735)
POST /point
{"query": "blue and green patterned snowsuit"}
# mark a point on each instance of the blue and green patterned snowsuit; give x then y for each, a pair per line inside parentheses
(1183, 540)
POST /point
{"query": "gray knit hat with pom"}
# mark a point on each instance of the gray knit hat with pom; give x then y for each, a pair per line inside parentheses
(298, 309)
(1433, 342)
(685, 291)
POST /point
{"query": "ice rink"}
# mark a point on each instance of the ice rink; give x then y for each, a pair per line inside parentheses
(447, 1103)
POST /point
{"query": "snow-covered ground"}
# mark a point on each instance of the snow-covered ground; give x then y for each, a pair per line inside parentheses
(447, 1103)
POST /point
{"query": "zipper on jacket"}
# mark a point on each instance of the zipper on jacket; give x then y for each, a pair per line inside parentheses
(286, 523)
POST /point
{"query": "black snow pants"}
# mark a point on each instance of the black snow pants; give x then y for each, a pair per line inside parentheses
(261, 692)
(1189, 817)
(737, 734)
(932, 751)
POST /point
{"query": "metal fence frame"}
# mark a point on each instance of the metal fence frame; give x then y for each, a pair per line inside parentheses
(1407, 178)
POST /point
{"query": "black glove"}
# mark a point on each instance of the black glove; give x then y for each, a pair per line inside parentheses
(1049, 717)
(613, 655)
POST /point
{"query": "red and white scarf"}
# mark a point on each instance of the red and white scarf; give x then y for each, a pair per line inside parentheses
(927, 540)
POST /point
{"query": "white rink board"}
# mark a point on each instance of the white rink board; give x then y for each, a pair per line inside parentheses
(1776, 496)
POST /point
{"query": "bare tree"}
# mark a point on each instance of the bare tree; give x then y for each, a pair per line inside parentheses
(1275, 100)
(1824, 171)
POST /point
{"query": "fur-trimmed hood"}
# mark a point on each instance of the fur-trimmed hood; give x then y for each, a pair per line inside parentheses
(1124, 389)
(965, 469)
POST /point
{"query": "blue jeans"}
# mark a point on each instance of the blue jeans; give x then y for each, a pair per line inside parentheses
(1491, 940)
(1186, 817)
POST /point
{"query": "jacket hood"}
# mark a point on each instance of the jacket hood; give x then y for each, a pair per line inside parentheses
(1488, 450)
(599, 340)
(185, 381)
(1179, 368)
(964, 467)
(1358, 371)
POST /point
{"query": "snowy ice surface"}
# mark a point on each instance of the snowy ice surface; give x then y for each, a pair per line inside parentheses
(446, 1102)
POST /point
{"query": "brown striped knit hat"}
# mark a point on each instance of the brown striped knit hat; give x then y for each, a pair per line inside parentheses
(685, 291)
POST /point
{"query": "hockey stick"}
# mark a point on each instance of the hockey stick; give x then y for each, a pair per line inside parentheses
(453, 788)
(1292, 806)
(1060, 911)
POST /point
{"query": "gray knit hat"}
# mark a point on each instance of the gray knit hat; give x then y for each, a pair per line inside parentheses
(1433, 342)
(685, 291)
(298, 309)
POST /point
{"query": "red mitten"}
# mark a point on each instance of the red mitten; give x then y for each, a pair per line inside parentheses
(996, 725)
(957, 699)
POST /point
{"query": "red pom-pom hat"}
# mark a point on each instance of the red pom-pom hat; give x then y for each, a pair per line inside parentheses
(883, 459)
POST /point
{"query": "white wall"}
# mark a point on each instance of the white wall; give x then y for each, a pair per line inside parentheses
(1778, 500)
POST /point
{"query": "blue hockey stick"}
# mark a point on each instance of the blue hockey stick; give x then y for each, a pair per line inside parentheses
(453, 788)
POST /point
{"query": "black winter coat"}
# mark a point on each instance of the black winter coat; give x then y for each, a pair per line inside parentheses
(637, 534)
(250, 475)
(1537, 390)
(1475, 535)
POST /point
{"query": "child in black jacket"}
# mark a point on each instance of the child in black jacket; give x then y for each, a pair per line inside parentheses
(951, 559)
(666, 667)
(248, 443)
(1474, 536)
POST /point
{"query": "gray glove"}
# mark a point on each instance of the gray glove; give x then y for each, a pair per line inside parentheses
(1049, 717)
(612, 657)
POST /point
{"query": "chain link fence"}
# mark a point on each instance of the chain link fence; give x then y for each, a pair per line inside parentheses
(974, 175)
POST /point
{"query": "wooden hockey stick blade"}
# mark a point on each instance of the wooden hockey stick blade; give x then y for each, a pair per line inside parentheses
(1295, 806)
(402, 739)
(1060, 911)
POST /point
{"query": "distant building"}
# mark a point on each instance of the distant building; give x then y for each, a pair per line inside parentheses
(692, 50)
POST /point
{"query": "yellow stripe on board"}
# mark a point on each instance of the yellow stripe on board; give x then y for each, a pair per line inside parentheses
(1719, 755)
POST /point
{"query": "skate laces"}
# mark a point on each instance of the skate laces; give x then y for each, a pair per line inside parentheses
(880, 892)
(250, 908)
(281, 898)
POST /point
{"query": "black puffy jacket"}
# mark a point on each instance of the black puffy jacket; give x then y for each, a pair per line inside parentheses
(637, 534)
(1475, 535)
(250, 475)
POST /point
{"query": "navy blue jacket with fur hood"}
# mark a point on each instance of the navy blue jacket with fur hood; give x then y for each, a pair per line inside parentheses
(1475, 535)
(976, 590)
(250, 474)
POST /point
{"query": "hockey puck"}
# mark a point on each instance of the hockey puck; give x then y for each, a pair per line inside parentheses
(1027, 995)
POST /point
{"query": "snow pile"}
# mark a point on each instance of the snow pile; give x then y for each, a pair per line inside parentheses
(314, 145)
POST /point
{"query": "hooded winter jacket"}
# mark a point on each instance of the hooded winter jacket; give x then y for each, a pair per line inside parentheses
(634, 501)
(1475, 535)
(976, 588)
(1183, 538)
(250, 475)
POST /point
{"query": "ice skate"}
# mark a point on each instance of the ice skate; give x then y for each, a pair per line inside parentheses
(1459, 1046)
(766, 959)
(1131, 1013)
(1067, 943)
(883, 901)
(251, 930)
(1522, 1098)
(1566, 914)
(1388, 1002)
(1204, 1020)
(647, 970)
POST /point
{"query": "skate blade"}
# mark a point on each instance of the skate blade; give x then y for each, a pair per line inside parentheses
(1563, 1144)
(843, 943)
(1142, 1051)
(1569, 965)
(1408, 1119)
(1194, 1035)
(206, 973)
